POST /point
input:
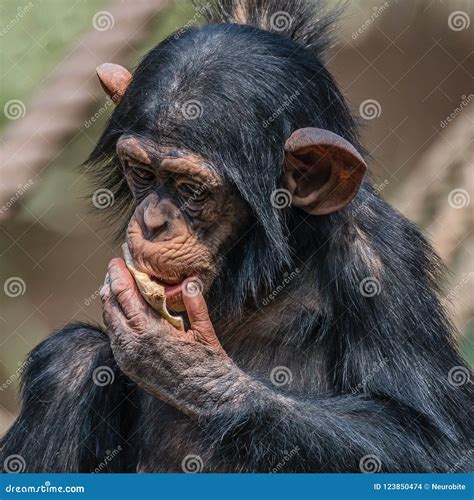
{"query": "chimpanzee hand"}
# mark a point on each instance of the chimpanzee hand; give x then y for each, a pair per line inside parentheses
(189, 370)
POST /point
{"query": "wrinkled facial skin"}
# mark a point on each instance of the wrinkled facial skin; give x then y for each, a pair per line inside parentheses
(184, 214)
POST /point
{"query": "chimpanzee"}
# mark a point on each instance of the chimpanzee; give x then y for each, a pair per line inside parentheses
(315, 339)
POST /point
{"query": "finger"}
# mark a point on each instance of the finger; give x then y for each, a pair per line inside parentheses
(199, 319)
(112, 315)
(125, 290)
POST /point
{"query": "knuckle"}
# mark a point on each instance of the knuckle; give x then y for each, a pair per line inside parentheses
(120, 285)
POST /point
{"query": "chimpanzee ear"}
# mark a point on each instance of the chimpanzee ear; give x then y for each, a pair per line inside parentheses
(323, 171)
(114, 80)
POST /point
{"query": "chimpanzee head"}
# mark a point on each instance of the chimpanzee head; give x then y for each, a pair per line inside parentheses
(223, 141)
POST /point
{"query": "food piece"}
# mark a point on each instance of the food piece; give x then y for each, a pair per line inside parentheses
(152, 292)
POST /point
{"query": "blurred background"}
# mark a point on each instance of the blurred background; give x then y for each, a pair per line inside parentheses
(405, 66)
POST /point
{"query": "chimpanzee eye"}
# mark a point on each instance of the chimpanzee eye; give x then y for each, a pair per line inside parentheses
(143, 173)
(191, 191)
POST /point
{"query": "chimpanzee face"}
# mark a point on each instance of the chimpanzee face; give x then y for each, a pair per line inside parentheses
(184, 214)
(188, 212)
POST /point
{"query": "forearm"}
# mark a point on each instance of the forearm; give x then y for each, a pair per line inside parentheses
(73, 407)
(331, 434)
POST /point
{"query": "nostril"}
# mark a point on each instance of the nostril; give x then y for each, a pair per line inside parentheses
(154, 222)
(153, 231)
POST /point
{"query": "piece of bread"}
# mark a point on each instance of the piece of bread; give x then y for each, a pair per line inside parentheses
(151, 291)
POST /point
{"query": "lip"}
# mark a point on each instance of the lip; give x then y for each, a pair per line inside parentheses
(172, 290)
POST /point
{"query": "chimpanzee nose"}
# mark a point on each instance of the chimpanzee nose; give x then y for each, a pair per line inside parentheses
(156, 216)
(155, 221)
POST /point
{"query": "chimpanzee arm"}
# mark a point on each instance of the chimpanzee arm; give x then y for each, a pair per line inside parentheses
(267, 432)
(252, 426)
(74, 415)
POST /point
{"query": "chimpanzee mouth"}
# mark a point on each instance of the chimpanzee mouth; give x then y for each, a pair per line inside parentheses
(173, 290)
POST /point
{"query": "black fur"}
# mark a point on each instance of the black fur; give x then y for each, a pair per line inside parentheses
(370, 374)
